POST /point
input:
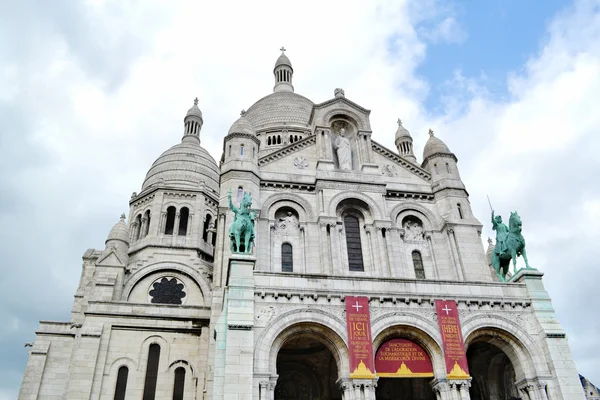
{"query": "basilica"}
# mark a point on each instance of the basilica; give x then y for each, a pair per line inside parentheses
(359, 273)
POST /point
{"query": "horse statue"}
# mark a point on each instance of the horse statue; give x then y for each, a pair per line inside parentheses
(509, 244)
(243, 224)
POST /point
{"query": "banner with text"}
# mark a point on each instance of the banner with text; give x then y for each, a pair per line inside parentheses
(454, 347)
(360, 344)
(402, 358)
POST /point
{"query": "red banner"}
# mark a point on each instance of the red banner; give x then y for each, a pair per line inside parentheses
(402, 358)
(360, 343)
(454, 347)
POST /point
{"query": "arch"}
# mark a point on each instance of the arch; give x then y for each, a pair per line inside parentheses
(287, 257)
(302, 320)
(192, 273)
(152, 370)
(414, 327)
(207, 220)
(509, 337)
(295, 201)
(138, 227)
(417, 259)
(170, 221)
(353, 243)
(338, 198)
(164, 352)
(147, 215)
(184, 215)
(358, 120)
(429, 220)
(113, 371)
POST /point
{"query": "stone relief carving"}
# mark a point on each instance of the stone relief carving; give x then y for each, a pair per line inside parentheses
(413, 229)
(266, 313)
(301, 162)
(389, 170)
(287, 225)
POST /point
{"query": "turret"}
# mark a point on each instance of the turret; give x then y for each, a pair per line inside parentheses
(283, 73)
(118, 238)
(441, 163)
(192, 124)
(404, 143)
(240, 153)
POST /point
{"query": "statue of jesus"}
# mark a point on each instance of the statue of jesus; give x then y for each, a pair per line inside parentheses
(343, 151)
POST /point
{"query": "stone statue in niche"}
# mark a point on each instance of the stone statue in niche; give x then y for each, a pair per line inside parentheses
(413, 229)
(343, 150)
(287, 224)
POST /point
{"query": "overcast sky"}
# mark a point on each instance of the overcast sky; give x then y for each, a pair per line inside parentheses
(92, 92)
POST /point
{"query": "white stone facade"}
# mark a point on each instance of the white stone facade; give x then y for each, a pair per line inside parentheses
(237, 312)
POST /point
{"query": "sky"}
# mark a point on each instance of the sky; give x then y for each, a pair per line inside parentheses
(91, 92)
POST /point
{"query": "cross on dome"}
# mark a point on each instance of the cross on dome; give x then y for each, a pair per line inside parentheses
(283, 49)
(242, 113)
(430, 132)
(196, 101)
(399, 122)
(122, 216)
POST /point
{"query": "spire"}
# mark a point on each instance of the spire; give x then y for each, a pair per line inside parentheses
(192, 124)
(283, 73)
(404, 143)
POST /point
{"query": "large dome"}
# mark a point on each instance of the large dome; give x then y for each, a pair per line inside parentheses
(184, 165)
(280, 108)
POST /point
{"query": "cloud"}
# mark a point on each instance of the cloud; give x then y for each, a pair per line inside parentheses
(93, 92)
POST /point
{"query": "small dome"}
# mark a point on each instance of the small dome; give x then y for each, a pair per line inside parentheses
(280, 108)
(242, 125)
(185, 165)
(283, 60)
(434, 146)
(119, 232)
(401, 131)
(194, 111)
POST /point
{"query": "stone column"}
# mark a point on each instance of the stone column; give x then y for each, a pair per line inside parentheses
(345, 386)
(441, 389)
(271, 387)
(395, 254)
(303, 244)
(384, 270)
(325, 259)
(176, 225)
(143, 228)
(459, 388)
(457, 262)
(373, 249)
(190, 232)
(161, 224)
(428, 237)
(336, 254)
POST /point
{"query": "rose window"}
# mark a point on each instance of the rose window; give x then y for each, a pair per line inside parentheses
(167, 291)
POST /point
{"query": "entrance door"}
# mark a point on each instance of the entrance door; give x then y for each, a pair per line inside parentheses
(492, 372)
(307, 370)
(404, 389)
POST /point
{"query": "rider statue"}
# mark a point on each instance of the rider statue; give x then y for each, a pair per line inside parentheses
(242, 226)
(501, 233)
(510, 244)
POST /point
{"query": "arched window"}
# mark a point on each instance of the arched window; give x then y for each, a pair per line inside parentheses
(121, 386)
(436, 169)
(240, 194)
(229, 151)
(269, 141)
(447, 167)
(179, 383)
(287, 258)
(214, 236)
(278, 139)
(184, 215)
(138, 226)
(205, 228)
(241, 149)
(460, 212)
(147, 230)
(418, 265)
(151, 372)
(170, 220)
(355, 258)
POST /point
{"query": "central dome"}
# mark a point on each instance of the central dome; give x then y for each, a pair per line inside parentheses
(280, 108)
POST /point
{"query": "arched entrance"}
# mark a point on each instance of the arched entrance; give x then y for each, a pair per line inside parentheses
(307, 370)
(404, 370)
(492, 372)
